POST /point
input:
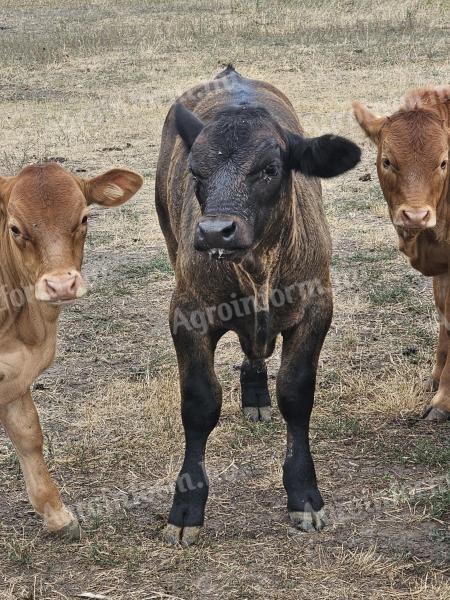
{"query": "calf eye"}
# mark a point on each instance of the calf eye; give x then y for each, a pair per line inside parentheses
(15, 230)
(271, 171)
(84, 220)
(195, 176)
(386, 163)
(444, 164)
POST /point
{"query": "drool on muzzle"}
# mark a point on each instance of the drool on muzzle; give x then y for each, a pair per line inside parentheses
(223, 232)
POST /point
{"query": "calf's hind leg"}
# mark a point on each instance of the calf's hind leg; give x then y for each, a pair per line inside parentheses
(295, 391)
(21, 422)
(255, 391)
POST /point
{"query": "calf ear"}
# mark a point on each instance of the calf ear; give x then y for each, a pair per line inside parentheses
(187, 124)
(324, 156)
(6, 184)
(368, 121)
(113, 188)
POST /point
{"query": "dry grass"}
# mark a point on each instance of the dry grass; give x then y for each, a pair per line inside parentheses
(90, 85)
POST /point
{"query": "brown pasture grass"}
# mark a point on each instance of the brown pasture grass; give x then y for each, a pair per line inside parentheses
(89, 84)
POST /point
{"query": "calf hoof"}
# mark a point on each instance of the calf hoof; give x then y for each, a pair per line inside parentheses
(430, 384)
(265, 413)
(438, 415)
(70, 532)
(308, 521)
(255, 393)
(257, 413)
(184, 536)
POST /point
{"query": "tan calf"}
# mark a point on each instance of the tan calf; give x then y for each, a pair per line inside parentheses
(412, 164)
(43, 225)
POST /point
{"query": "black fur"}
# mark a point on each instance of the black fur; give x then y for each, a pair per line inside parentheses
(324, 156)
(254, 387)
(187, 124)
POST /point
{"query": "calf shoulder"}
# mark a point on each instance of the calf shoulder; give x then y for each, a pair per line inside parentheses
(27, 349)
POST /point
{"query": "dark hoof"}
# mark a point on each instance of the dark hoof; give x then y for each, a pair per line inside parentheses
(181, 536)
(430, 384)
(70, 532)
(308, 521)
(257, 413)
(438, 415)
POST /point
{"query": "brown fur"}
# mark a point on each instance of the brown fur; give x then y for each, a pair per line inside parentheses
(48, 204)
(416, 140)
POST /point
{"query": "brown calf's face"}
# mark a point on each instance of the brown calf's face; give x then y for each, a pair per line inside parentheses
(412, 163)
(45, 211)
(240, 162)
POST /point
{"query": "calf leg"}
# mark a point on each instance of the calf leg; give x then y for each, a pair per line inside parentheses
(440, 405)
(201, 399)
(439, 410)
(295, 390)
(255, 392)
(440, 285)
(432, 384)
(21, 422)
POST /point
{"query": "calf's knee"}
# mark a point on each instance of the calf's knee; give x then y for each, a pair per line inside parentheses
(295, 394)
(201, 400)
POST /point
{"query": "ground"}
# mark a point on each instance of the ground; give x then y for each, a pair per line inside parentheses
(88, 85)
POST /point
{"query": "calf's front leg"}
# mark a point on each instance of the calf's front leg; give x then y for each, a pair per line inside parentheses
(295, 390)
(21, 422)
(432, 383)
(439, 410)
(440, 405)
(440, 287)
(201, 400)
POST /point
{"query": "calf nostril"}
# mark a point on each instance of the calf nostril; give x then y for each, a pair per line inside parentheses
(50, 286)
(229, 231)
(60, 288)
(420, 216)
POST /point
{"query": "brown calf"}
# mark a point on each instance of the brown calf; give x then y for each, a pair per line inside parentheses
(43, 225)
(248, 238)
(412, 164)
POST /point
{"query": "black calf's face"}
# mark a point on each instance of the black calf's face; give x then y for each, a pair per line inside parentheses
(240, 162)
(238, 181)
